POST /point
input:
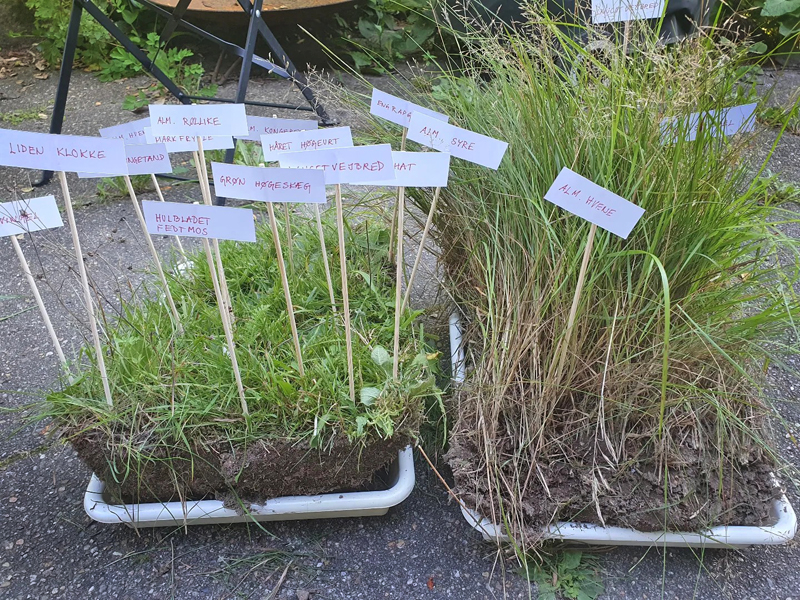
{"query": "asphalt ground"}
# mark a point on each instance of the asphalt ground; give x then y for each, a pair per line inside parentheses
(423, 548)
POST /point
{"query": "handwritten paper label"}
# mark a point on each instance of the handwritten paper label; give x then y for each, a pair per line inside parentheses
(718, 123)
(397, 110)
(611, 11)
(300, 141)
(198, 119)
(418, 169)
(142, 160)
(53, 152)
(129, 133)
(594, 203)
(259, 126)
(199, 220)
(461, 143)
(359, 165)
(188, 143)
(268, 185)
(24, 216)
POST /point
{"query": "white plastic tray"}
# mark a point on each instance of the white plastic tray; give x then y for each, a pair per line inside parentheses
(726, 536)
(211, 512)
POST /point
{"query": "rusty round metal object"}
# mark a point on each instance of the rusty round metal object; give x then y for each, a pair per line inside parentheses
(232, 6)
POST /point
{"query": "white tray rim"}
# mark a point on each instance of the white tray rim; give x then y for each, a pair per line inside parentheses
(205, 512)
(723, 536)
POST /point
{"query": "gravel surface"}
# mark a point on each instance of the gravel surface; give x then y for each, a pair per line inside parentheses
(49, 548)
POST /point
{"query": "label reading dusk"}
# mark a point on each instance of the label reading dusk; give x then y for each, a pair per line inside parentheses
(53, 152)
(360, 165)
(596, 204)
(25, 216)
(268, 185)
(199, 220)
(198, 119)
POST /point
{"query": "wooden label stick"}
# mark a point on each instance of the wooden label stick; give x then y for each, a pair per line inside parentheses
(392, 229)
(422, 241)
(325, 256)
(42, 310)
(289, 245)
(87, 294)
(200, 161)
(154, 253)
(286, 292)
(161, 197)
(345, 291)
(398, 282)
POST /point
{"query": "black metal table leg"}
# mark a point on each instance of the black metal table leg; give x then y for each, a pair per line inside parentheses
(244, 73)
(64, 76)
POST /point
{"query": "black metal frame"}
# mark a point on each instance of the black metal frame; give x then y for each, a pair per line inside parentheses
(257, 26)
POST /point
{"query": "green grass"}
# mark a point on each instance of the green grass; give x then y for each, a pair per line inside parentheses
(181, 387)
(663, 372)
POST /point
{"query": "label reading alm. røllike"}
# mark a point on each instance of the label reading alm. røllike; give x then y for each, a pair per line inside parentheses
(301, 141)
(461, 143)
(199, 220)
(397, 110)
(592, 202)
(54, 152)
(25, 216)
(198, 119)
(268, 185)
(360, 165)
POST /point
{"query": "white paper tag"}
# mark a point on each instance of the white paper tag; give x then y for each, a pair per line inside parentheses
(359, 165)
(596, 204)
(268, 185)
(397, 110)
(54, 152)
(198, 119)
(718, 123)
(259, 126)
(188, 143)
(199, 220)
(461, 143)
(611, 11)
(129, 133)
(300, 141)
(24, 216)
(142, 159)
(418, 169)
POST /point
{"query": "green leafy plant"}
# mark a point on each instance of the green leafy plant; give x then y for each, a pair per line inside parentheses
(787, 15)
(165, 384)
(660, 368)
(564, 574)
(387, 31)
